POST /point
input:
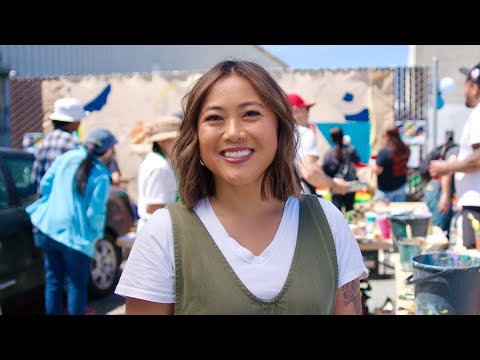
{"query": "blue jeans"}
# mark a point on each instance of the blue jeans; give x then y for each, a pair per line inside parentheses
(432, 197)
(397, 195)
(63, 263)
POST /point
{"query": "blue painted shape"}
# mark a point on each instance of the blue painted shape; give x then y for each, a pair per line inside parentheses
(440, 101)
(359, 132)
(97, 103)
(361, 116)
(348, 97)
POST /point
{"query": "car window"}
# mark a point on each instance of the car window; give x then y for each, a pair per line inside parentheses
(21, 171)
(3, 192)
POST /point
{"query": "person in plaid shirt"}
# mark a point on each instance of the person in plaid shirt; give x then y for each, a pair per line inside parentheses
(68, 112)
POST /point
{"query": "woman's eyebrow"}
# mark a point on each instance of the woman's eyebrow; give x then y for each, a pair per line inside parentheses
(213, 107)
(242, 105)
(248, 103)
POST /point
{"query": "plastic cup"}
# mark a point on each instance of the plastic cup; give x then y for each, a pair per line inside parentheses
(383, 223)
(408, 250)
(370, 217)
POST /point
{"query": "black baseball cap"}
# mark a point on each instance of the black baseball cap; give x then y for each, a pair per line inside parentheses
(472, 74)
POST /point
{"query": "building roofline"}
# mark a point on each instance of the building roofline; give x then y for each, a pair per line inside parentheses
(273, 57)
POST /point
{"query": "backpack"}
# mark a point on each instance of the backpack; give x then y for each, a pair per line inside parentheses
(436, 154)
(346, 169)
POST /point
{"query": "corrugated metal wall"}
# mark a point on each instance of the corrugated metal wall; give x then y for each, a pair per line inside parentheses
(53, 60)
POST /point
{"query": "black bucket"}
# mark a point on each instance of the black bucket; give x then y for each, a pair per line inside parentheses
(446, 284)
(420, 225)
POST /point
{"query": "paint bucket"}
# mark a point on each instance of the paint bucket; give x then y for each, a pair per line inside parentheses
(446, 284)
(420, 224)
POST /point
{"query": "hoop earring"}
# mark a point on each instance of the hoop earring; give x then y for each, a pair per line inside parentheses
(201, 162)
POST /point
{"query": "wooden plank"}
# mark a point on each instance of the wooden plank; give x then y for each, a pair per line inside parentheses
(402, 306)
(386, 245)
(393, 207)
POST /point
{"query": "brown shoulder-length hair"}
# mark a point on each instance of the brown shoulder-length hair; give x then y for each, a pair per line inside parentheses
(281, 178)
(394, 143)
(398, 150)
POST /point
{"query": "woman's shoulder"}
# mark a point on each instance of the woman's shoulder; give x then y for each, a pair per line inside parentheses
(160, 219)
(383, 153)
(77, 152)
(329, 209)
(100, 169)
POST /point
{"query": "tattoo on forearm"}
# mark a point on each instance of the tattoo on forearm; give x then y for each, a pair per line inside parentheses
(351, 294)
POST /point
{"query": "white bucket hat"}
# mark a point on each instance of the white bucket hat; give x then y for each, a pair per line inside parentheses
(68, 110)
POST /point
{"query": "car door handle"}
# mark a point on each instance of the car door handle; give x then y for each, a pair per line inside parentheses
(7, 284)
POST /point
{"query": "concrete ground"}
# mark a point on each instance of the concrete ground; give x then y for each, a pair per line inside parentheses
(381, 290)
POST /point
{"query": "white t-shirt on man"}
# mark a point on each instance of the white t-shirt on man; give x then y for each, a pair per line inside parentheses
(467, 185)
(307, 145)
(149, 273)
(157, 184)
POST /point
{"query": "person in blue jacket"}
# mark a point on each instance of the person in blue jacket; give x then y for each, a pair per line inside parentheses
(70, 216)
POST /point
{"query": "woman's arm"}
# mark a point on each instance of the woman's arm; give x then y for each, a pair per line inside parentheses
(142, 307)
(347, 301)
(375, 168)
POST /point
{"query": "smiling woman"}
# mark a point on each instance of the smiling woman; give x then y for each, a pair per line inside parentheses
(243, 240)
(237, 141)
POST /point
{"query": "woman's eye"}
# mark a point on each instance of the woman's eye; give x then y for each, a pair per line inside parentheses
(213, 118)
(251, 113)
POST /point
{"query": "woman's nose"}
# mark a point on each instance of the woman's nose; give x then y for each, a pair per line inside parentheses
(233, 130)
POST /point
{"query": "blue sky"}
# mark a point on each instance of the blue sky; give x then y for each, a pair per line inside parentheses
(340, 56)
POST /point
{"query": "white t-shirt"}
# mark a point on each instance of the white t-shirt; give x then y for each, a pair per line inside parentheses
(307, 144)
(149, 273)
(467, 185)
(157, 183)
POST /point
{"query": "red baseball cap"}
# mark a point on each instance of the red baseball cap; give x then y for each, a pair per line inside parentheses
(296, 100)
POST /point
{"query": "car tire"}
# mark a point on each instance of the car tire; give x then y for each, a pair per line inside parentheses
(104, 267)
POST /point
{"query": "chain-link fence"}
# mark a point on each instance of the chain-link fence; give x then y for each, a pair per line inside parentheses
(26, 111)
(411, 105)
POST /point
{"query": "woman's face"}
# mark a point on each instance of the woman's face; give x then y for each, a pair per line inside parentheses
(237, 133)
